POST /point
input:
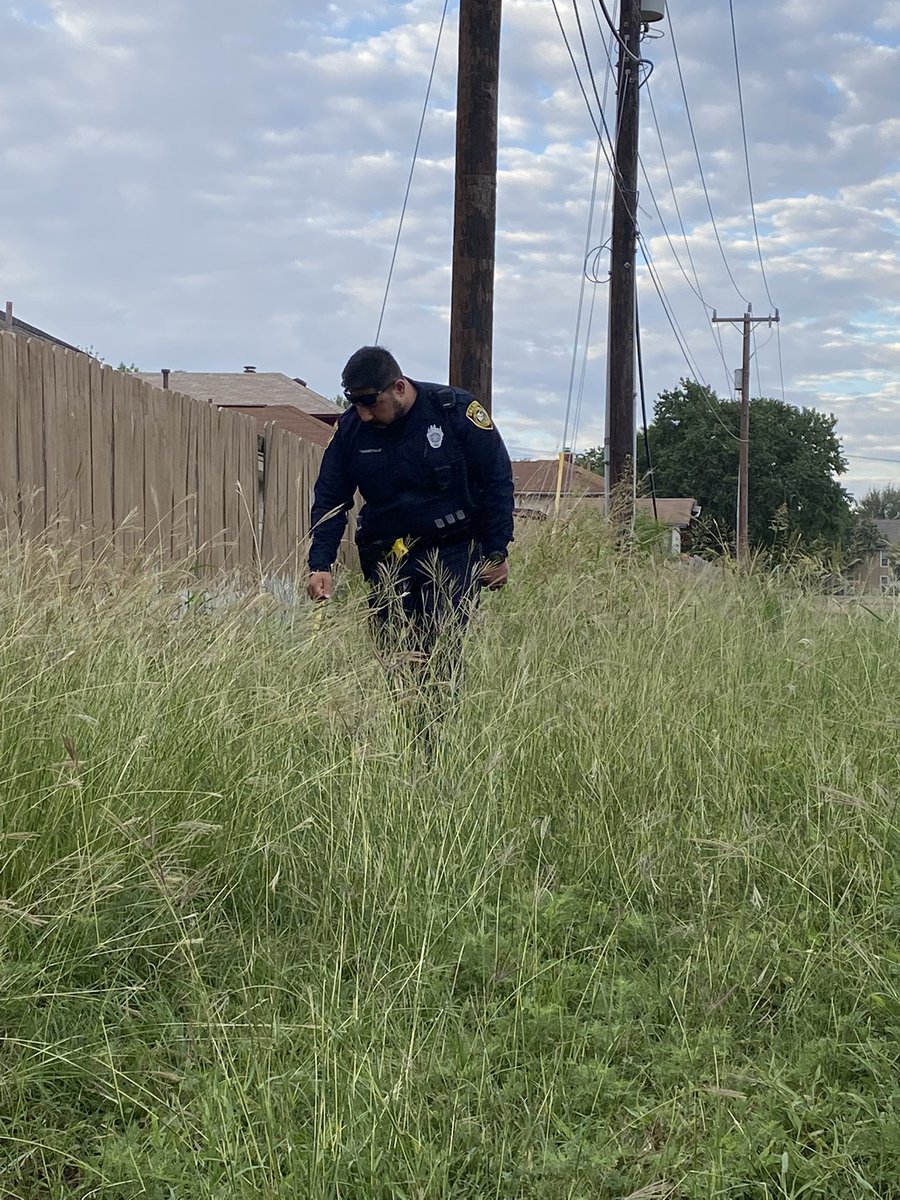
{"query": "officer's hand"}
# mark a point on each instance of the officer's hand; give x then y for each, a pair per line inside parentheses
(318, 586)
(495, 575)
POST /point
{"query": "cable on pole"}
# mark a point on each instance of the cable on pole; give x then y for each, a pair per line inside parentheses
(640, 366)
(699, 163)
(412, 169)
(737, 71)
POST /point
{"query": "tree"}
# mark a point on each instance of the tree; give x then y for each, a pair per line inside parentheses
(881, 504)
(794, 458)
(862, 538)
(591, 460)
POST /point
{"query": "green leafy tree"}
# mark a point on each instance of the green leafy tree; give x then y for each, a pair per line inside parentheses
(591, 460)
(794, 458)
(862, 539)
(881, 504)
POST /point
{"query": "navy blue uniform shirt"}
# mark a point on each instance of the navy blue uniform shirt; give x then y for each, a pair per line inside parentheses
(440, 474)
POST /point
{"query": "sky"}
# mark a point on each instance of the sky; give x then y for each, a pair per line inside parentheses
(201, 185)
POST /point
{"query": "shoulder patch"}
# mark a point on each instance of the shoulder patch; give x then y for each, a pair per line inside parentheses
(478, 416)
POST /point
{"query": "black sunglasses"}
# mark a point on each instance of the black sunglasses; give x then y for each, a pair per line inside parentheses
(366, 399)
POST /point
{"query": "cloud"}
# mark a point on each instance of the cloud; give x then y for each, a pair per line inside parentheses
(199, 186)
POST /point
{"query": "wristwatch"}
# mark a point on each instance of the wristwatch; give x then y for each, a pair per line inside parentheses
(494, 560)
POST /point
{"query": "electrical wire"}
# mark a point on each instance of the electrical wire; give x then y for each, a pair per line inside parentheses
(610, 161)
(590, 223)
(640, 366)
(660, 291)
(699, 295)
(699, 163)
(412, 169)
(659, 215)
(609, 144)
(673, 322)
(612, 25)
(762, 267)
(657, 283)
(570, 433)
(697, 290)
(737, 71)
(576, 424)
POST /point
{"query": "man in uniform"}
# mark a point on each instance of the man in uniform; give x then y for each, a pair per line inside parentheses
(436, 482)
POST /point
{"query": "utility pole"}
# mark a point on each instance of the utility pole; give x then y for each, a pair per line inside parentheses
(474, 226)
(620, 390)
(743, 494)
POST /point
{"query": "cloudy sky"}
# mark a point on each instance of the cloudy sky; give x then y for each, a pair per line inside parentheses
(199, 185)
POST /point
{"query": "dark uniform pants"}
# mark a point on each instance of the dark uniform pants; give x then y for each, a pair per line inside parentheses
(421, 603)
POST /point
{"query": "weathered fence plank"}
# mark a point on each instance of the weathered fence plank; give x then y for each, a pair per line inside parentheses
(98, 459)
(32, 475)
(9, 437)
(102, 458)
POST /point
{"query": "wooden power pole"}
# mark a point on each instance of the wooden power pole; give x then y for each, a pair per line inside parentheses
(474, 226)
(743, 493)
(620, 392)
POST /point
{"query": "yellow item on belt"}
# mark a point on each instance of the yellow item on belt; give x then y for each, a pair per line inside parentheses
(399, 550)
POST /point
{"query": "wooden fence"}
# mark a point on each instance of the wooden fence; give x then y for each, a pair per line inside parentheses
(97, 459)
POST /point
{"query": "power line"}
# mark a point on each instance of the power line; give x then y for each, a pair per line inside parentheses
(640, 365)
(567, 439)
(698, 294)
(697, 291)
(675, 329)
(737, 71)
(587, 249)
(597, 129)
(612, 25)
(576, 423)
(699, 163)
(412, 170)
(673, 322)
(684, 235)
(587, 58)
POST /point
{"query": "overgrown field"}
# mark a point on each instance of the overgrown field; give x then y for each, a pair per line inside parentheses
(630, 932)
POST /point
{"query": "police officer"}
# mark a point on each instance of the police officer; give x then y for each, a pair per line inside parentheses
(436, 482)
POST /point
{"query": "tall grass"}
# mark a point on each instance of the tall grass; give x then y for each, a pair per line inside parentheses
(628, 930)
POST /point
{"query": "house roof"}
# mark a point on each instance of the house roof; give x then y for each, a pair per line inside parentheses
(26, 330)
(311, 429)
(538, 476)
(247, 388)
(890, 531)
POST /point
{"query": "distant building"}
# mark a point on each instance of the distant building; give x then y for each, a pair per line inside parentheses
(264, 395)
(535, 483)
(877, 572)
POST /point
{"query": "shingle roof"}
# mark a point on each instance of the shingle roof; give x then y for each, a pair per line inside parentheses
(252, 387)
(26, 330)
(538, 476)
(311, 429)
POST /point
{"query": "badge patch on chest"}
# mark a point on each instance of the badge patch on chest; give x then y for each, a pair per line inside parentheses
(435, 437)
(478, 416)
